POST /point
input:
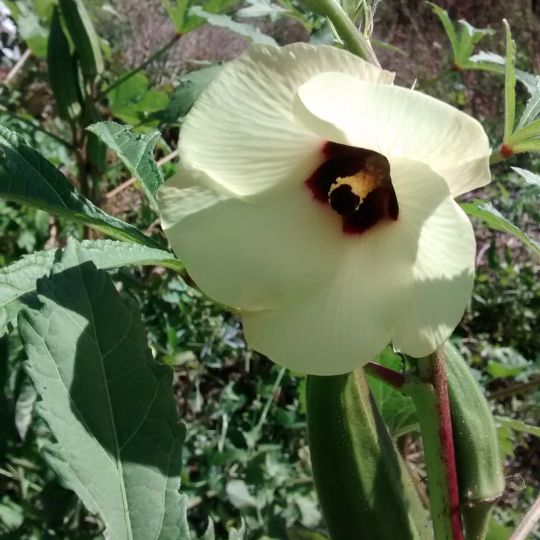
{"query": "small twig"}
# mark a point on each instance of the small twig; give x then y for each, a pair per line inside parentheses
(15, 69)
(269, 401)
(352, 38)
(136, 70)
(132, 180)
(532, 517)
(515, 389)
(387, 375)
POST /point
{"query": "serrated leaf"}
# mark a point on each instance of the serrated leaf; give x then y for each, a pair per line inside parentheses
(109, 405)
(447, 25)
(224, 21)
(487, 213)
(496, 63)
(531, 178)
(176, 12)
(468, 39)
(28, 178)
(518, 425)
(532, 109)
(136, 153)
(18, 280)
(509, 84)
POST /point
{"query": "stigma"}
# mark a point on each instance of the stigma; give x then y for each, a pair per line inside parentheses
(356, 184)
(347, 193)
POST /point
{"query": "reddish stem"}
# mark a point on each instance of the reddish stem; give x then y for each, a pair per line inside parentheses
(387, 375)
(439, 382)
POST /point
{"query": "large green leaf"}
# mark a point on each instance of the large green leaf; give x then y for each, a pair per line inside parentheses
(109, 405)
(18, 280)
(136, 153)
(486, 212)
(134, 101)
(28, 178)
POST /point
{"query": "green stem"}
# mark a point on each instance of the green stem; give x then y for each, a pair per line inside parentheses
(353, 39)
(430, 396)
(496, 157)
(136, 70)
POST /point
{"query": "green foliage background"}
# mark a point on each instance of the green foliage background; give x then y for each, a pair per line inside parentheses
(246, 455)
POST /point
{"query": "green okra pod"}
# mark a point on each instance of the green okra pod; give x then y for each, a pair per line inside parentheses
(480, 475)
(62, 72)
(83, 36)
(364, 488)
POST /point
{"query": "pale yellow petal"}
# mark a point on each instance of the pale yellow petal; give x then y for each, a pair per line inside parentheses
(242, 131)
(397, 122)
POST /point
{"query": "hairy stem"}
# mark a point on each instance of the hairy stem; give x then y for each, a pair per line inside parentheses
(353, 39)
(430, 396)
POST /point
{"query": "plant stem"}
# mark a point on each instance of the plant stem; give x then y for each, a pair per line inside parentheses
(430, 396)
(353, 39)
(147, 62)
(387, 375)
(515, 389)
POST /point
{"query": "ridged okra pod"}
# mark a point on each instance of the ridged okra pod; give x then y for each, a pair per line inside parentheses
(364, 488)
(62, 71)
(480, 475)
(83, 36)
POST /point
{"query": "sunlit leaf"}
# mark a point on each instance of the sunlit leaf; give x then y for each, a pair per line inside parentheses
(136, 153)
(18, 280)
(109, 405)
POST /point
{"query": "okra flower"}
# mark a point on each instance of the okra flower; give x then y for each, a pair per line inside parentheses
(318, 199)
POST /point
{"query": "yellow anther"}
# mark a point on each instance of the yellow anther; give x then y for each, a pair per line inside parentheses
(362, 183)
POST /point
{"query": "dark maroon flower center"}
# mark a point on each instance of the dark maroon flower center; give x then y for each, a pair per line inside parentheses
(356, 184)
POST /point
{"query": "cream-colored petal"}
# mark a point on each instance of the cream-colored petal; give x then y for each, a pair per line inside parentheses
(397, 122)
(251, 254)
(443, 281)
(353, 316)
(242, 132)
